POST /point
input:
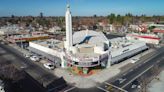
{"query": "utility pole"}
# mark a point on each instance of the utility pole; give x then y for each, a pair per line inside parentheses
(21, 43)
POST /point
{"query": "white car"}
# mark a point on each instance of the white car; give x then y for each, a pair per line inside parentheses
(134, 60)
(34, 58)
(27, 55)
(2, 89)
(49, 66)
(2, 43)
(133, 86)
(121, 80)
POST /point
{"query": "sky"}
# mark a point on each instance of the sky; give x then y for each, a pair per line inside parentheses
(80, 7)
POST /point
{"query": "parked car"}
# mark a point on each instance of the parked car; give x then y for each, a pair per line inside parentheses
(2, 89)
(49, 66)
(134, 60)
(34, 58)
(27, 55)
(121, 80)
(2, 43)
(134, 86)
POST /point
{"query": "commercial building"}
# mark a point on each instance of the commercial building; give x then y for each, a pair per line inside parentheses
(7, 30)
(86, 49)
(88, 55)
(148, 38)
(122, 48)
(27, 37)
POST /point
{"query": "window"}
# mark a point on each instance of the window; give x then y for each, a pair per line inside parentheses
(94, 63)
(76, 63)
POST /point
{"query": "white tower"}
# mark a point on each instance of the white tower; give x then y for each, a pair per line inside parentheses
(68, 21)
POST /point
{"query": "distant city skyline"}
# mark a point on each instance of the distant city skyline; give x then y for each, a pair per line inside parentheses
(81, 7)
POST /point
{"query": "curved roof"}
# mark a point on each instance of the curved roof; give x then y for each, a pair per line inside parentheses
(89, 36)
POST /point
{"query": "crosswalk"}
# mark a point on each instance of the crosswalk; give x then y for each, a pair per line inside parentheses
(107, 87)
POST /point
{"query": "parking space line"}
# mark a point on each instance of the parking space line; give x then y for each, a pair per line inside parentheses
(116, 87)
(158, 61)
(69, 89)
(131, 70)
(102, 89)
(124, 74)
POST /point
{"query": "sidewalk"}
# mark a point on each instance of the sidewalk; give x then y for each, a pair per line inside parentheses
(87, 82)
(23, 51)
(78, 81)
(157, 85)
(102, 76)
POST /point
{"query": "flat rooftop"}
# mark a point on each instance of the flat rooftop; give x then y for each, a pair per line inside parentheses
(29, 35)
(121, 42)
(51, 43)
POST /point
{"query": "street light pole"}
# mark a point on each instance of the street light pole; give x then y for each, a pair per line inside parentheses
(21, 43)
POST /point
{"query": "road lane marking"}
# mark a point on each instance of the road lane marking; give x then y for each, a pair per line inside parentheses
(158, 61)
(69, 89)
(137, 76)
(116, 87)
(103, 89)
(124, 74)
(151, 57)
(139, 64)
(131, 70)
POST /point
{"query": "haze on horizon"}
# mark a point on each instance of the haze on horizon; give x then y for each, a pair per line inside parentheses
(81, 7)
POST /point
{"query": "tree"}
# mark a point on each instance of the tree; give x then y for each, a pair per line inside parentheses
(9, 72)
(151, 28)
(12, 16)
(41, 15)
(128, 19)
(143, 17)
(144, 84)
(129, 15)
(111, 18)
(120, 19)
(95, 16)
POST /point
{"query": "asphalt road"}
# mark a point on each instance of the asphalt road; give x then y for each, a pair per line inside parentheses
(94, 89)
(131, 74)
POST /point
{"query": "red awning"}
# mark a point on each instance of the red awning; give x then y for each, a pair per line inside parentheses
(159, 31)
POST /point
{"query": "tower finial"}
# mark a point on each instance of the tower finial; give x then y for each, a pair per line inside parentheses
(68, 6)
(68, 21)
(68, 3)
